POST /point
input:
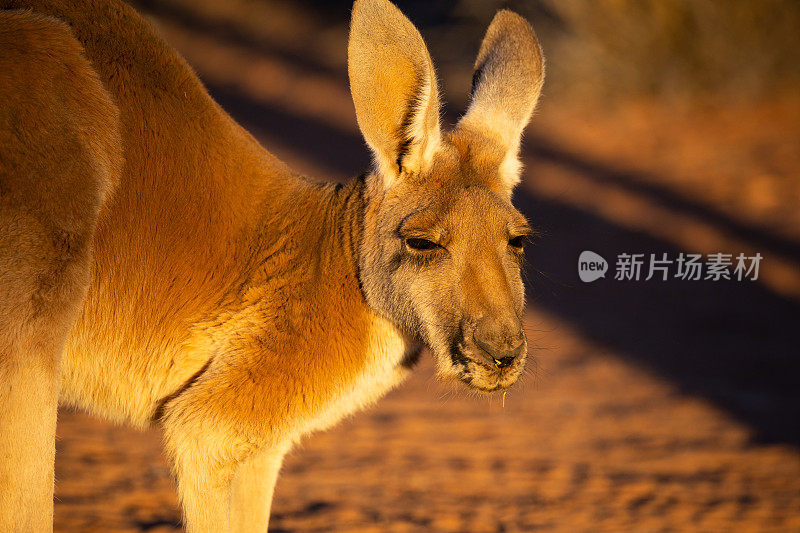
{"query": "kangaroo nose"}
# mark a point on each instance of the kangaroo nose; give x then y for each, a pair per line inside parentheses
(502, 343)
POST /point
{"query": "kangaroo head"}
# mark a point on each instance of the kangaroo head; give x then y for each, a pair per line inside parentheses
(442, 246)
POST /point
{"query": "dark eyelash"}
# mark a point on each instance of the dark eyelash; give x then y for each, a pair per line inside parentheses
(421, 244)
(518, 241)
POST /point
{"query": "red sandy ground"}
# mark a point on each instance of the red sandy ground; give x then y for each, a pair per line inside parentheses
(591, 444)
(592, 439)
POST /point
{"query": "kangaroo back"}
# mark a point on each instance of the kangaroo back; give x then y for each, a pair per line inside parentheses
(177, 235)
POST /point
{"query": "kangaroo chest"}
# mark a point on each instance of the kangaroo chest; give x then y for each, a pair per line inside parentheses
(389, 360)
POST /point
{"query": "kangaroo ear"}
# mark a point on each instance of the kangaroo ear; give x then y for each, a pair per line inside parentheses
(393, 85)
(506, 84)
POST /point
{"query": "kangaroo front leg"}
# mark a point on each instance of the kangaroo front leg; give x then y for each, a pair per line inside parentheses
(252, 489)
(204, 481)
(204, 442)
(204, 490)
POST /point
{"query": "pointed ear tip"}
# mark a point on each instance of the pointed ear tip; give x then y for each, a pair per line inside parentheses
(372, 7)
(517, 27)
(506, 16)
(360, 7)
(505, 19)
(361, 4)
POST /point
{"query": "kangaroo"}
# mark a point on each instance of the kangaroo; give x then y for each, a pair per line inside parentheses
(158, 266)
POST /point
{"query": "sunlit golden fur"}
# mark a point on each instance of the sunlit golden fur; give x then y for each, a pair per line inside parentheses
(162, 267)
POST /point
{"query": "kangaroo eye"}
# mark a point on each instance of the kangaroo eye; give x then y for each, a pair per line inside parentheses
(421, 244)
(517, 242)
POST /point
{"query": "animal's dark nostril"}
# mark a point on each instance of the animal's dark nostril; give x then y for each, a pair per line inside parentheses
(505, 358)
(498, 352)
(505, 362)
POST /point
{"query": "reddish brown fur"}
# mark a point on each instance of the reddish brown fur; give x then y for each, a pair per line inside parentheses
(55, 107)
(237, 304)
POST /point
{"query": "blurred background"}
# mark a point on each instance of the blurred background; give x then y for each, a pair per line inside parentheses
(665, 126)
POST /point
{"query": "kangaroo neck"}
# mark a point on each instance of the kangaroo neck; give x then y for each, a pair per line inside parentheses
(310, 238)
